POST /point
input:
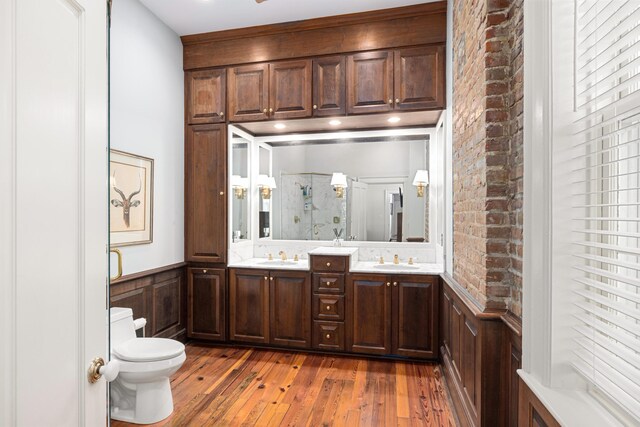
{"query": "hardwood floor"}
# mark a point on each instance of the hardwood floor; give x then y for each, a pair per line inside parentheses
(252, 387)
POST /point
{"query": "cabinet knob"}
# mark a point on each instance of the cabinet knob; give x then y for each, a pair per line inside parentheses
(328, 283)
(204, 271)
(328, 336)
(390, 101)
(388, 283)
(395, 283)
(328, 307)
(397, 101)
(315, 107)
(271, 110)
(271, 278)
(222, 193)
(328, 264)
(264, 111)
(266, 278)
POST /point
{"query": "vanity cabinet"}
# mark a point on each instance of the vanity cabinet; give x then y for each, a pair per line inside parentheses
(205, 95)
(329, 307)
(394, 315)
(399, 80)
(270, 307)
(329, 81)
(279, 90)
(206, 296)
(205, 193)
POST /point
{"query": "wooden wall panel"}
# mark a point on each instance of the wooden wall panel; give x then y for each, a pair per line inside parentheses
(159, 296)
(532, 413)
(381, 29)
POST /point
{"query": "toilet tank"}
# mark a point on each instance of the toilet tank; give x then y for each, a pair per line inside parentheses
(122, 328)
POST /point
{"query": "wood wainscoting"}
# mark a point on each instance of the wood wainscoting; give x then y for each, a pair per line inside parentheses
(481, 352)
(158, 295)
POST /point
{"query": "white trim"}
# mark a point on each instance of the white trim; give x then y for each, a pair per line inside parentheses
(536, 329)
(448, 147)
(8, 404)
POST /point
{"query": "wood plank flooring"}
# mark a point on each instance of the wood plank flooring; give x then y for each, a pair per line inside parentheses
(252, 387)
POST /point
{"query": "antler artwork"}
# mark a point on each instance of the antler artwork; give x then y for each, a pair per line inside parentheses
(126, 204)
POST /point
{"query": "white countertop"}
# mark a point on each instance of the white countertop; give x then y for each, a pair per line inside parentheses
(275, 264)
(333, 250)
(391, 268)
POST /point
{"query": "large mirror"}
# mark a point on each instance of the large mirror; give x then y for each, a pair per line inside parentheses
(239, 182)
(363, 188)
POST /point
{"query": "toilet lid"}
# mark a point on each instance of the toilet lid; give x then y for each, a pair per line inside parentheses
(148, 349)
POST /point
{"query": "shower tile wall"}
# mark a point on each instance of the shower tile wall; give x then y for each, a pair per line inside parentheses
(309, 207)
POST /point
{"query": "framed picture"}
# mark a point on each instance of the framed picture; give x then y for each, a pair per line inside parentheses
(130, 199)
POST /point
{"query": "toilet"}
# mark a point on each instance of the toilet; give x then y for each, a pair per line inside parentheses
(141, 393)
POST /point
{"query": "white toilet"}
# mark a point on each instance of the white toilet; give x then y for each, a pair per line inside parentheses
(141, 393)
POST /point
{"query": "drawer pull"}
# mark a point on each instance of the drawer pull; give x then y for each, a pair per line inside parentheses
(328, 336)
(270, 278)
(204, 271)
(266, 278)
(328, 283)
(395, 283)
(328, 264)
(388, 283)
(328, 307)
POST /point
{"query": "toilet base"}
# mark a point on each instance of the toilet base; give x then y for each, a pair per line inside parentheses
(143, 403)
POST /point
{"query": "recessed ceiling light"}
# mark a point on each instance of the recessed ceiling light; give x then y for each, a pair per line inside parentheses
(394, 119)
(279, 126)
(335, 122)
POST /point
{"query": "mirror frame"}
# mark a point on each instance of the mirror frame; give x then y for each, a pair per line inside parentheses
(231, 131)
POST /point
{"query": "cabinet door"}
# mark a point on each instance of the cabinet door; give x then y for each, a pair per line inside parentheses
(290, 317)
(329, 86)
(290, 89)
(206, 299)
(249, 306)
(370, 297)
(205, 96)
(205, 200)
(415, 318)
(370, 82)
(419, 78)
(248, 93)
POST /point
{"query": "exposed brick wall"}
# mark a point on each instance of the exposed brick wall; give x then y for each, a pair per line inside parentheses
(487, 146)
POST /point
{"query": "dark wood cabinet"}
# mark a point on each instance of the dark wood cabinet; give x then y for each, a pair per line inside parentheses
(419, 78)
(205, 193)
(370, 295)
(249, 306)
(270, 307)
(206, 296)
(280, 90)
(329, 78)
(249, 93)
(205, 95)
(290, 309)
(290, 89)
(370, 82)
(394, 315)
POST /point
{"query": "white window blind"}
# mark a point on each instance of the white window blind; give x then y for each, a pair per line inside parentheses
(606, 195)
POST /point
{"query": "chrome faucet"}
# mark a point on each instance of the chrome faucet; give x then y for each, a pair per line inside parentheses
(283, 255)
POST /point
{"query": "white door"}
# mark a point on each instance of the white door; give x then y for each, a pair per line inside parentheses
(53, 217)
(357, 206)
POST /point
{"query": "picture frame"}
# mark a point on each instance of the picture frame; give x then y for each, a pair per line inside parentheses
(130, 199)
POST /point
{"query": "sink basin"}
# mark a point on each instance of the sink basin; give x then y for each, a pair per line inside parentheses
(395, 267)
(278, 262)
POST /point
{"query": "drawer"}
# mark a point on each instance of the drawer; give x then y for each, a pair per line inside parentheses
(328, 283)
(329, 263)
(328, 307)
(328, 335)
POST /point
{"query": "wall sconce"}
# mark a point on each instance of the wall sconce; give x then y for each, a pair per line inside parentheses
(339, 183)
(239, 185)
(266, 184)
(421, 181)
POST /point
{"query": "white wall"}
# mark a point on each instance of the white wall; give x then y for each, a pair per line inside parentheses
(147, 118)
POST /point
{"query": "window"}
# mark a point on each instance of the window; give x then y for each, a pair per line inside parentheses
(605, 205)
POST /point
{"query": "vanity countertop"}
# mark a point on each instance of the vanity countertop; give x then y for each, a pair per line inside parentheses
(391, 268)
(332, 250)
(275, 264)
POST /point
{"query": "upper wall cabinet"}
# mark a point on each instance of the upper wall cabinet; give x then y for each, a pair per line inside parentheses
(329, 86)
(404, 79)
(419, 78)
(205, 198)
(370, 82)
(205, 96)
(280, 90)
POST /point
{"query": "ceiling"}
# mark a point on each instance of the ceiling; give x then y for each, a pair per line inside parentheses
(358, 122)
(202, 16)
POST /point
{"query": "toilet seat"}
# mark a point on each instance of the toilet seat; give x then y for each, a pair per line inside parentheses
(148, 349)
